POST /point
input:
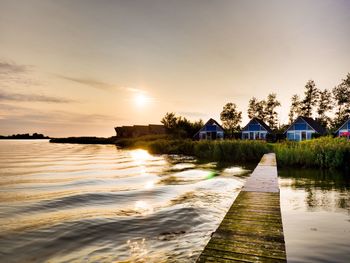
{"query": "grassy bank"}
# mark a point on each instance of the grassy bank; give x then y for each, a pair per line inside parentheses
(226, 151)
(324, 152)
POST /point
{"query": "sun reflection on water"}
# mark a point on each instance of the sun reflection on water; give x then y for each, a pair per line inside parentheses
(140, 156)
(143, 207)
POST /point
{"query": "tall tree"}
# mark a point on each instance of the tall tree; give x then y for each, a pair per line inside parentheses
(256, 109)
(341, 95)
(231, 117)
(295, 108)
(271, 114)
(324, 105)
(310, 99)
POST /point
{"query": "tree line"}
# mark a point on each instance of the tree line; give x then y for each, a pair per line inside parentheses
(315, 103)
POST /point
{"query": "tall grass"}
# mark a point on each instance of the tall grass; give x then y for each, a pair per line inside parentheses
(227, 151)
(324, 152)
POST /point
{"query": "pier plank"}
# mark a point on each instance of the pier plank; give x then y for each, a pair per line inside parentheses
(252, 229)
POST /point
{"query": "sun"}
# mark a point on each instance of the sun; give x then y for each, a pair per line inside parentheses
(141, 100)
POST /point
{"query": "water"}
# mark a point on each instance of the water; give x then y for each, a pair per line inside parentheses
(316, 215)
(95, 203)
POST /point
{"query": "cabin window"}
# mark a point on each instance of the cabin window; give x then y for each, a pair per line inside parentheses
(245, 135)
(301, 126)
(257, 135)
(290, 136)
(309, 135)
(303, 135)
(254, 127)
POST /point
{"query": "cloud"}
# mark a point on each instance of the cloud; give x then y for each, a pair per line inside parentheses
(21, 119)
(7, 67)
(5, 96)
(89, 82)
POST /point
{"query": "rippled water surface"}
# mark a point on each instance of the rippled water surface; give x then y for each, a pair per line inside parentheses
(95, 203)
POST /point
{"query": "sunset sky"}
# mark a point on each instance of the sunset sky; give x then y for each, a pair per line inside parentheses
(70, 68)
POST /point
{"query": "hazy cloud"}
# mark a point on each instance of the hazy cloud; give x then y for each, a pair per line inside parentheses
(89, 82)
(5, 96)
(7, 67)
(19, 119)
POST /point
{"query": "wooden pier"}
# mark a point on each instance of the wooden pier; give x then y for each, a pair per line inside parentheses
(252, 229)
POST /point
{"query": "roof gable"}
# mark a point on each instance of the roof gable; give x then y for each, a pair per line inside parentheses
(208, 126)
(314, 125)
(256, 121)
(345, 126)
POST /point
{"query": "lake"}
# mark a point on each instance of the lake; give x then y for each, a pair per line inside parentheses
(96, 203)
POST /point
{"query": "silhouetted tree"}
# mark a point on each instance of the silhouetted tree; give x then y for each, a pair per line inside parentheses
(231, 117)
(341, 95)
(169, 121)
(324, 105)
(310, 99)
(295, 108)
(270, 114)
(180, 126)
(256, 109)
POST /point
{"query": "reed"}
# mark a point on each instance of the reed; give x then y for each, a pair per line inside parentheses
(324, 152)
(226, 151)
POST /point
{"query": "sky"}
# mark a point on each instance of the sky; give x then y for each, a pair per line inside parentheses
(80, 68)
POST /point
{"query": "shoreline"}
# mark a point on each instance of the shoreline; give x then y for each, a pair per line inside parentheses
(322, 153)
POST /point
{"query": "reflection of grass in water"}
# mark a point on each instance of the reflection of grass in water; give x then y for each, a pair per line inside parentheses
(170, 180)
(183, 180)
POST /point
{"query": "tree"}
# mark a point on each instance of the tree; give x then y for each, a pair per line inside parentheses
(256, 109)
(180, 127)
(324, 105)
(310, 100)
(270, 114)
(341, 95)
(231, 117)
(169, 121)
(295, 108)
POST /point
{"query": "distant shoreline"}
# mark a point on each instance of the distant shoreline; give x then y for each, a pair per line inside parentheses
(24, 136)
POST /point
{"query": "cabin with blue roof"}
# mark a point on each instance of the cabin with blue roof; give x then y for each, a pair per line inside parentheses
(344, 130)
(256, 129)
(303, 129)
(211, 130)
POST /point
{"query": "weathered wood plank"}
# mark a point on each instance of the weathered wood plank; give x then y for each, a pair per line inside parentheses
(252, 229)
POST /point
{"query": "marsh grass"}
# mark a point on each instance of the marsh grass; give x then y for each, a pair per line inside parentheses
(224, 151)
(323, 152)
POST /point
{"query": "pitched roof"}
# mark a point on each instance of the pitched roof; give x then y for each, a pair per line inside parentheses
(312, 123)
(261, 122)
(210, 122)
(342, 125)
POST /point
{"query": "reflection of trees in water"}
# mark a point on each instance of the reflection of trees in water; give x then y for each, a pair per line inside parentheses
(326, 190)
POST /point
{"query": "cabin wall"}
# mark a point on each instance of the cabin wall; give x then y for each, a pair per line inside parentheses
(344, 129)
(300, 131)
(254, 131)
